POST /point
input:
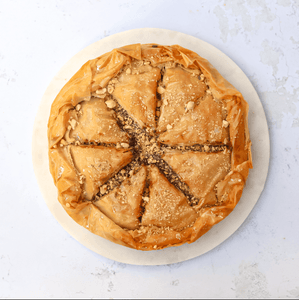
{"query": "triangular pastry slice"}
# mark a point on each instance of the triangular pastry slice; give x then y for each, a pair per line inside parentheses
(136, 93)
(122, 205)
(200, 171)
(203, 124)
(97, 164)
(167, 206)
(181, 87)
(96, 123)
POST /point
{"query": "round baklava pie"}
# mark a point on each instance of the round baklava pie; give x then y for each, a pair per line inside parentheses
(149, 146)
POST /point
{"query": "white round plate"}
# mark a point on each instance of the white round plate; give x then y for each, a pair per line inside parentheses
(258, 133)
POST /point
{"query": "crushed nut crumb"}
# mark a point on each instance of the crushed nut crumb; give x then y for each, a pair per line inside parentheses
(225, 124)
(110, 103)
(125, 145)
(160, 90)
(110, 89)
(190, 105)
(101, 91)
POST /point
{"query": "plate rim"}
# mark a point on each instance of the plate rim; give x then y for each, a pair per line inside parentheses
(146, 258)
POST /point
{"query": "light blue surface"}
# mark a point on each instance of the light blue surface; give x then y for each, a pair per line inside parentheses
(39, 259)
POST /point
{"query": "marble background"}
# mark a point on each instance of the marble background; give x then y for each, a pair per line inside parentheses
(39, 259)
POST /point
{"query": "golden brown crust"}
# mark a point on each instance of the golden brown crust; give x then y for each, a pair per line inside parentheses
(123, 204)
(136, 93)
(200, 171)
(199, 125)
(181, 87)
(90, 81)
(95, 123)
(167, 206)
(97, 164)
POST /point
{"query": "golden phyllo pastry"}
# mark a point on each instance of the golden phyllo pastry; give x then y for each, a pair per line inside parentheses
(149, 146)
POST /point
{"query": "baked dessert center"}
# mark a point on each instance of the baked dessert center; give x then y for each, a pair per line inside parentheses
(149, 149)
(143, 142)
(149, 146)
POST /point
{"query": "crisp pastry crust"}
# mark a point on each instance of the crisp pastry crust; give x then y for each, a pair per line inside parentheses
(203, 124)
(97, 164)
(123, 204)
(149, 146)
(201, 172)
(136, 93)
(167, 206)
(96, 124)
(181, 87)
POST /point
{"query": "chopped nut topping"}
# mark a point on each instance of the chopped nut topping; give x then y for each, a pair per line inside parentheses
(78, 107)
(63, 142)
(110, 103)
(146, 199)
(190, 105)
(168, 127)
(81, 178)
(67, 205)
(114, 80)
(128, 71)
(160, 90)
(206, 148)
(110, 89)
(225, 124)
(101, 91)
(103, 189)
(73, 123)
(101, 96)
(125, 145)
